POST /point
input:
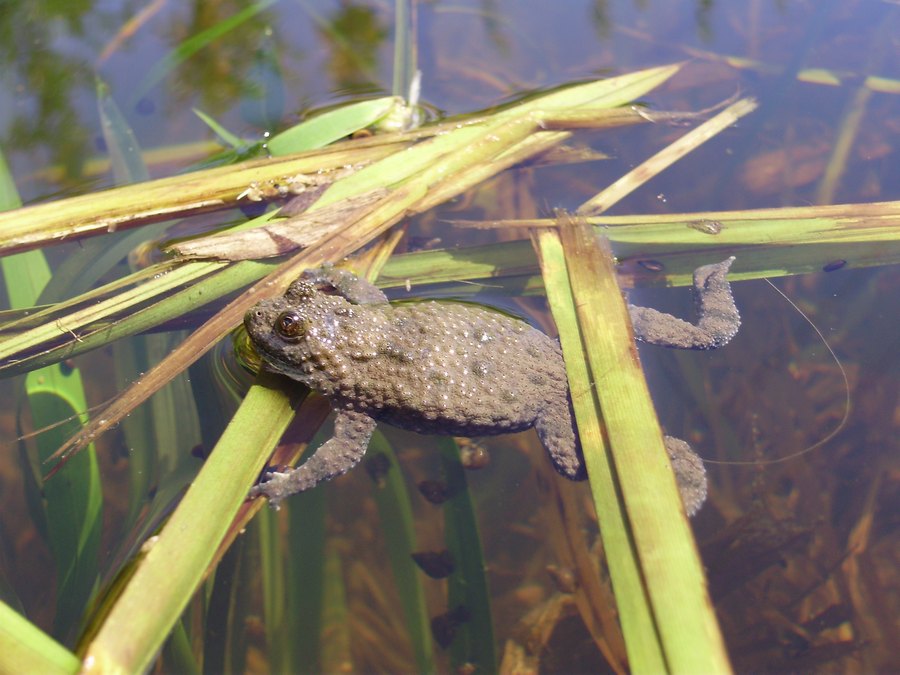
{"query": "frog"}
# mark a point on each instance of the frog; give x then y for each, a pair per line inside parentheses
(447, 367)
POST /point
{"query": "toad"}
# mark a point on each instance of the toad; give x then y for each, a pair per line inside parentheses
(447, 368)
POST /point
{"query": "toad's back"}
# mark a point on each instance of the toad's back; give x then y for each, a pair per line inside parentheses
(445, 368)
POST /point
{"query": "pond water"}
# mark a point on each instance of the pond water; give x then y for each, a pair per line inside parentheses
(801, 551)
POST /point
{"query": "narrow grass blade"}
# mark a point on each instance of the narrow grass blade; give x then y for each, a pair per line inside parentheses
(66, 334)
(176, 561)
(224, 639)
(671, 568)
(335, 633)
(467, 586)
(263, 102)
(230, 139)
(178, 655)
(610, 93)
(73, 503)
(645, 654)
(69, 511)
(274, 585)
(404, 48)
(161, 199)
(159, 435)
(331, 126)
(24, 648)
(306, 578)
(9, 194)
(767, 242)
(121, 144)
(95, 258)
(395, 515)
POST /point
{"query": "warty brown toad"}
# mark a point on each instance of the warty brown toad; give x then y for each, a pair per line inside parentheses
(441, 367)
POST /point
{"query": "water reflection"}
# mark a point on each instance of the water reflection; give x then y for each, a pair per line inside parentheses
(807, 542)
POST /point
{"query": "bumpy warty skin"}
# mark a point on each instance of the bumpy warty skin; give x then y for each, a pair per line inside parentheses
(448, 368)
(432, 367)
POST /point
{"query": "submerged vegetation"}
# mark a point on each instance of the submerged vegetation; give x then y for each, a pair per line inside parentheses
(199, 578)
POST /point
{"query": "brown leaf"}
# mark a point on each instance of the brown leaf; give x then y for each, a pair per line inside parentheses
(282, 236)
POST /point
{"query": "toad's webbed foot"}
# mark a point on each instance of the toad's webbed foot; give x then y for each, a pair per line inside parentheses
(718, 317)
(690, 474)
(556, 428)
(352, 431)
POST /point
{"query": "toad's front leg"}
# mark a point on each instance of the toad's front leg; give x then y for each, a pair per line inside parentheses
(339, 454)
(718, 317)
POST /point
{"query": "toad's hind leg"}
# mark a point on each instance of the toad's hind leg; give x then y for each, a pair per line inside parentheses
(718, 318)
(555, 426)
(339, 454)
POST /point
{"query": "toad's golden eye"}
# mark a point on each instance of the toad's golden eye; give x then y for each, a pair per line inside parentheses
(290, 327)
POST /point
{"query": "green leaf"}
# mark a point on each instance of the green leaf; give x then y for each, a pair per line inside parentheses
(467, 586)
(173, 566)
(24, 648)
(69, 508)
(328, 127)
(231, 139)
(124, 151)
(395, 515)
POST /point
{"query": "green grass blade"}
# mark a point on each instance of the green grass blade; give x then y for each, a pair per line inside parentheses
(161, 434)
(335, 633)
(672, 572)
(395, 515)
(96, 257)
(236, 142)
(330, 126)
(224, 629)
(24, 648)
(101, 330)
(404, 49)
(611, 93)
(178, 655)
(70, 508)
(102, 212)
(73, 499)
(306, 577)
(274, 585)
(121, 143)
(9, 194)
(262, 102)
(645, 654)
(174, 566)
(467, 586)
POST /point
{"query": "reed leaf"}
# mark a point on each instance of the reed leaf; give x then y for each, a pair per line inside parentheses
(395, 515)
(174, 563)
(26, 649)
(645, 654)
(68, 512)
(468, 599)
(671, 571)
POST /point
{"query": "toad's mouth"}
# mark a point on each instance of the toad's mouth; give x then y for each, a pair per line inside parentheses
(274, 361)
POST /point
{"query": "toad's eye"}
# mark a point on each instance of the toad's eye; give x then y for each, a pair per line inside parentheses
(290, 327)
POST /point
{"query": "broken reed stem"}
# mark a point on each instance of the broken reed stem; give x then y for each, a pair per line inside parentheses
(665, 158)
